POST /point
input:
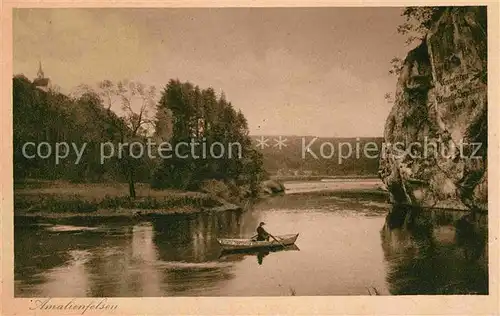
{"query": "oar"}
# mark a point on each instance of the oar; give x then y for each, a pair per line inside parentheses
(279, 242)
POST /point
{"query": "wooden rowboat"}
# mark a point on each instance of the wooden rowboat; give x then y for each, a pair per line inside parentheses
(240, 244)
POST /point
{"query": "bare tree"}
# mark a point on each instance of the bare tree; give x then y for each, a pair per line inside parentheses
(136, 104)
(129, 108)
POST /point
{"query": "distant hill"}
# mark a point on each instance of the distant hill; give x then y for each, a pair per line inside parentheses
(293, 159)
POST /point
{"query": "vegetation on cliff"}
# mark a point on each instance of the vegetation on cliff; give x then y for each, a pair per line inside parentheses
(440, 114)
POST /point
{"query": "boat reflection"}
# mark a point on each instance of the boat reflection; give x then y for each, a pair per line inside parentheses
(240, 254)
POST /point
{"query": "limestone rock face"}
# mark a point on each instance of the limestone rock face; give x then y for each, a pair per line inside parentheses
(435, 152)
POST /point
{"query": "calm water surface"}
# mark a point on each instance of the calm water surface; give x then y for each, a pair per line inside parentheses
(349, 243)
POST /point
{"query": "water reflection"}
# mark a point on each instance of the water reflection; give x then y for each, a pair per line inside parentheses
(122, 258)
(260, 254)
(435, 251)
(193, 238)
(431, 252)
(178, 255)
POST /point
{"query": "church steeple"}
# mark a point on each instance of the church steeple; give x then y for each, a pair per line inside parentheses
(40, 81)
(40, 73)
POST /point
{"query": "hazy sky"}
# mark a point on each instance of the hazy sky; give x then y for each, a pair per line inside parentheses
(301, 71)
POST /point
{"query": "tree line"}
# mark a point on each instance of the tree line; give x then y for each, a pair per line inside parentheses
(199, 115)
(128, 112)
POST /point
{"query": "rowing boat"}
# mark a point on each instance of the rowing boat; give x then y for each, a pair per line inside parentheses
(239, 254)
(239, 244)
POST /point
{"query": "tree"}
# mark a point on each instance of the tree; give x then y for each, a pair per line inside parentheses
(128, 108)
(418, 21)
(198, 115)
(50, 116)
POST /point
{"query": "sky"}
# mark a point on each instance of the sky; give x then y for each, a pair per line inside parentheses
(291, 71)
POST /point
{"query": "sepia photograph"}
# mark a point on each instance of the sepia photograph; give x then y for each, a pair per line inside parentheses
(163, 152)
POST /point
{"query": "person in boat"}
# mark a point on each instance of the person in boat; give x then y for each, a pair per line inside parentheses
(261, 233)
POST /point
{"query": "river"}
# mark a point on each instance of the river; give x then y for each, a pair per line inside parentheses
(350, 243)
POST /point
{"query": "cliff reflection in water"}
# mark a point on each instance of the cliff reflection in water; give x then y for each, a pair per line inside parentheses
(435, 252)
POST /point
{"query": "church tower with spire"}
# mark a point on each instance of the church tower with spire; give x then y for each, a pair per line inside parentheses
(40, 81)
(40, 70)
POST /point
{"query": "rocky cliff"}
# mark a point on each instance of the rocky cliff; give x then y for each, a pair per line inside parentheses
(435, 151)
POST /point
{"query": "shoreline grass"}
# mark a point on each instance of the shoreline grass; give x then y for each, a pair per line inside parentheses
(64, 197)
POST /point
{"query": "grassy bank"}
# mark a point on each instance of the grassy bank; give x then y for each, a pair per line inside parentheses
(57, 197)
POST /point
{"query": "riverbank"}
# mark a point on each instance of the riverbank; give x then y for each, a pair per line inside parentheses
(322, 178)
(65, 199)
